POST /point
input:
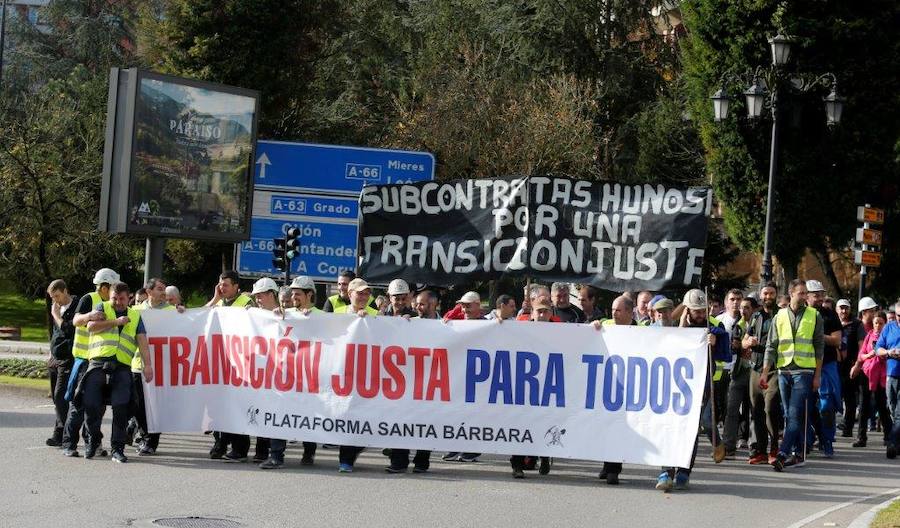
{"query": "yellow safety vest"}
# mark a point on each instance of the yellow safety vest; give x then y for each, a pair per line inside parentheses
(796, 347)
(720, 365)
(137, 365)
(113, 343)
(242, 301)
(346, 309)
(82, 336)
(336, 302)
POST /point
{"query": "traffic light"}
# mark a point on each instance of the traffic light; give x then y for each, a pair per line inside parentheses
(280, 259)
(292, 243)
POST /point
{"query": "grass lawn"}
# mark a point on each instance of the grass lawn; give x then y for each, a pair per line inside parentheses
(16, 310)
(888, 517)
(42, 384)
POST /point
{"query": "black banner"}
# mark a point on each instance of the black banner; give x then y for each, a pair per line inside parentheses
(613, 236)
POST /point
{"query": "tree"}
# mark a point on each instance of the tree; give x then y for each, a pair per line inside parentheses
(823, 173)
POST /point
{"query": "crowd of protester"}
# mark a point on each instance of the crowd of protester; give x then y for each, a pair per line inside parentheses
(788, 373)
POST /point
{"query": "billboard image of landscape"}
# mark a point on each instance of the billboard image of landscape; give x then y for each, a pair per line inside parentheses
(191, 170)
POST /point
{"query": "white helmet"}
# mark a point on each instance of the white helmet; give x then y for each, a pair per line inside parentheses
(398, 287)
(106, 276)
(866, 303)
(263, 285)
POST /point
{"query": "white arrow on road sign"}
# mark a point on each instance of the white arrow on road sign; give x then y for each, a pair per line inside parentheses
(262, 162)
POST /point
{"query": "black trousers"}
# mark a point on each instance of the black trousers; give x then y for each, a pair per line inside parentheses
(850, 388)
(400, 458)
(277, 447)
(348, 454)
(880, 407)
(139, 410)
(75, 425)
(59, 378)
(114, 380)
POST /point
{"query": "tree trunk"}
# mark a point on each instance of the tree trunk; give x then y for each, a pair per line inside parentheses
(825, 263)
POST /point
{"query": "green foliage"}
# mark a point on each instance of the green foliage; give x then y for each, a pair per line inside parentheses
(24, 368)
(823, 173)
(29, 315)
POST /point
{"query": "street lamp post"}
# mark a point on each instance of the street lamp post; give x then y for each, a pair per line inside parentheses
(766, 84)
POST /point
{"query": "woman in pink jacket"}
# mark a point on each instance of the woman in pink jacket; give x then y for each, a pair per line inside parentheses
(875, 369)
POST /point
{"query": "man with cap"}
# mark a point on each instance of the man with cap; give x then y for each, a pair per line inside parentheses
(888, 346)
(852, 336)
(829, 400)
(696, 315)
(104, 279)
(359, 294)
(398, 295)
(117, 336)
(795, 347)
(228, 294)
(662, 309)
(470, 304)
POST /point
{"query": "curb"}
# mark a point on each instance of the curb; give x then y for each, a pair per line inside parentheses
(864, 520)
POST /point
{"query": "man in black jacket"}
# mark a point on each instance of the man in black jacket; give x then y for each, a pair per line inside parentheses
(62, 310)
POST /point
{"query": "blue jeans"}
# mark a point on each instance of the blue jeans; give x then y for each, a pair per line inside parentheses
(795, 392)
(829, 399)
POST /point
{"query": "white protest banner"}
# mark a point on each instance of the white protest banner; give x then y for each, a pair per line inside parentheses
(629, 394)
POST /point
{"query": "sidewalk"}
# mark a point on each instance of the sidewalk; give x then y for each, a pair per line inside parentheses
(24, 350)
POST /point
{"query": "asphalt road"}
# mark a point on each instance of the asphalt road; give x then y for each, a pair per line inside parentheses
(39, 487)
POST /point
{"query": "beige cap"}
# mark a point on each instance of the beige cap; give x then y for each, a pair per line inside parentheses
(303, 283)
(357, 285)
(263, 285)
(695, 299)
(542, 303)
(470, 297)
(663, 304)
(398, 287)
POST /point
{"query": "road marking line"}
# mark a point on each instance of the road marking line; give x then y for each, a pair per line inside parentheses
(867, 517)
(826, 511)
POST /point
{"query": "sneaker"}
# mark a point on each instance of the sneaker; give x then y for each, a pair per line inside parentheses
(451, 456)
(307, 461)
(664, 482)
(345, 468)
(718, 454)
(469, 457)
(69, 452)
(891, 451)
(778, 463)
(395, 470)
(259, 458)
(231, 456)
(53, 441)
(90, 452)
(545, 465)
(758, 459)
(861, 442)
(119, 456)
(827, 449)
(773, 454)
(146, 450)
(217, 452)
(795, 461)
(682, 480)
(518, 474)
(271, 463)
(743, 444)
(420, 469)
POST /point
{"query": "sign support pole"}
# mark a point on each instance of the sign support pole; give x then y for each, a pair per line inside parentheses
(153, 258)
(862, 269)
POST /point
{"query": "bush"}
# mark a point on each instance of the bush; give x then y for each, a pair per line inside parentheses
(24, 368)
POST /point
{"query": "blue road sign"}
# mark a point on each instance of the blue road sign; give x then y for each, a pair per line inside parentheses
(316, 188)
(325, 249)
(336, 169)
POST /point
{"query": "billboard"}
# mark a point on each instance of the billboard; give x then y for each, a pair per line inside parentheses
(178, 160)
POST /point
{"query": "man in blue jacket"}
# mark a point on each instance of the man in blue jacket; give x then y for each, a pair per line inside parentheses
(888, 345)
